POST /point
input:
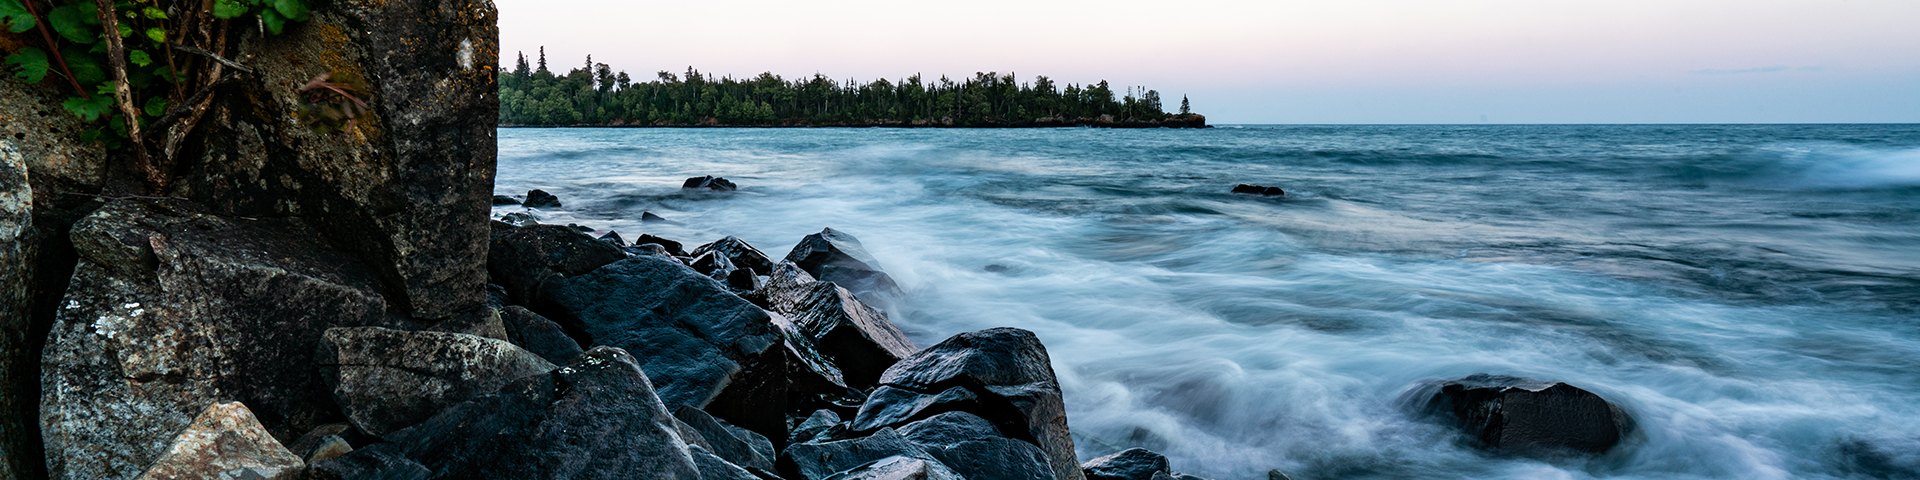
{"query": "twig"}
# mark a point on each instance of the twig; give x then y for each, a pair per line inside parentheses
(186, 107)
(55, 49)
(123, 93)
(216, 57)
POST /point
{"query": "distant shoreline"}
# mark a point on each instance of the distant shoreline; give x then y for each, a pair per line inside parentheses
(1178, 121)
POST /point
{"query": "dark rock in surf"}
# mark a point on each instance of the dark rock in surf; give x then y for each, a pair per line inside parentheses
(817, 461)
(649, 217)
(1256, 189)
(1518, 415)
(673, 248)
(613, 237)
(1129, 464)
(835, 256)
(648, 249)
(541, 199)
(995, 268)
(505, 200)
(521, 258)
(711, 183)
(740, 253)
(520, 219)
(386, 380)
(539, 335)
(858, 339)
(974, 448)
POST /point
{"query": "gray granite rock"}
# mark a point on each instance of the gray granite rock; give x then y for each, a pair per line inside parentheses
(836, 256)
(224, 442)
(17, 257)
(387, 379)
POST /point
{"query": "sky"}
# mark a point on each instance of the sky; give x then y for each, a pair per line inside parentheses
(1303, 61)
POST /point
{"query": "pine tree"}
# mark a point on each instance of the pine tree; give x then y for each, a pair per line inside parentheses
(543, 59)
(1184, 108)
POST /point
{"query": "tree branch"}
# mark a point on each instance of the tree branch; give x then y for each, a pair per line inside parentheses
(123, 93)
(54, 48)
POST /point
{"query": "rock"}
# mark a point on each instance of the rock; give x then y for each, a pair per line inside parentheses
(814, 461)
(596, 418)
(785, 289)
(898, 468)
(1006, 368)
(379, 462)
(834, 256)
(811, 429)
(711, 183)
(814, 381)
(483, 322)
(743, 280)
(386, 380)
(580, 228)
(1531, 417)
(974, 448)
(649, 217)
(1129, 464)
(224, 442)
(541, 199)
(613, 237)
(713, 265)
(648, 249)
(1277, 475)
(329, 447)
(712, 467)
(1256, 189)
(17, 259)
(521, 258)
(505, 200)
(711, 349)
(673, 248)
(740, 253)
(995, 268)
(539, 335)
(889, 405)
(520, 219)
(318, 439)
(858, 338)
(725, 442)
(171, 310)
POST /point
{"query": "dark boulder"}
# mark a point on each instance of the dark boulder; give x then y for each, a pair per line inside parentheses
(713, 467)
(541, 199)
(521, 258)
(18, 256)
(647, 249)
(859, 339)
(673, 248)
(1256, 189)
(974, 448)
(225, 441)
(813, 381)
(816, 428)
(898, 468)
(743, 280)
(1009, 372)
(539, 335)
(1517, 415)
(1129, 464)
(379, 462)
(520, 219)
(713, 265)
(649, 217)
(482, 322)
(786, 287)
(835, 256)
(709, 348)
(816, 461)
(727, 443)
(596, 418)
(711, 183)
(386, 380)
(613, 237)
(505, 200)
(740, 253)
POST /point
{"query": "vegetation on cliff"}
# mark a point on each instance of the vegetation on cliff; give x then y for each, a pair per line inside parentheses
(594, 94)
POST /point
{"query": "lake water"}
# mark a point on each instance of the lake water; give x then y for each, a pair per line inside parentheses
(1749, 294)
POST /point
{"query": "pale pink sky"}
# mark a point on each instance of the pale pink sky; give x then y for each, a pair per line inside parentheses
(1304, 61)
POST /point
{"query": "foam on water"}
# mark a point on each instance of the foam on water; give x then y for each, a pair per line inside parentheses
(1753, 331)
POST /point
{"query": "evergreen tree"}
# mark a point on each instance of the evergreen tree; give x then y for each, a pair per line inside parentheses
(1185, 109)
(543, 60)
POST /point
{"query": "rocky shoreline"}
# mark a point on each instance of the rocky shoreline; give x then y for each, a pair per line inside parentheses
(1103, 121)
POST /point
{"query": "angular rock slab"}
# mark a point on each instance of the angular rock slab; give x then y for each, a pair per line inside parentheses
(1532, 417)
(838, 257)
(974, 448)
(521, 258)
(711, 349)
(740, 253)
(539, 335)
(386, 379)
(899, 468)
(224, 442)
(718, 439)
(817, 461)
(17, 257)
(169, 311)
(1129, 464)
(596, 418)
(1010, 372)
(859, 339)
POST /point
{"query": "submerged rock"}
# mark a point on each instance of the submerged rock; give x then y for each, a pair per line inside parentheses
(835, 256)
(673, 248)
(711, 183)
(1531, 417)
(1256, 189)
(541, 199)
(386, 380)
(649, 217)
(1129, 464)
(520, 219)
(224, 442)
(505, 200)
(521, 258)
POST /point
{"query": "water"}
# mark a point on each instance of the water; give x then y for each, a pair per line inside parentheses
(1751, 294)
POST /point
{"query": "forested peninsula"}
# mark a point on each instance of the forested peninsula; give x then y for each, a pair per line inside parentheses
(596, 95)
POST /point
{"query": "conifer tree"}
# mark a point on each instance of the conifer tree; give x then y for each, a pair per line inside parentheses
(1184, 108)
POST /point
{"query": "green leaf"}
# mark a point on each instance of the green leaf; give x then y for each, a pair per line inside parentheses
(157, 34)
(12, 12)
(295, 10)
(274, 22)
(76, 23)
(151, 12)
(32, 62)
(229, 8)
(87, 67)
(89, 109)
(125, 30)
(139, 58)
(156, 106)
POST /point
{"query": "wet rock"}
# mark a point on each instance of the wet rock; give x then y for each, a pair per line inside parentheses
(596, 418)
(898, 468)
(613, 237)
(224, 442)
(835, 256)
(815, 461)
(1129, 464)
(520, 219)
(889, 405)
(712, 467)
(785, 289)
(484, 322)
(813, 381)
(727, 443)
(816, 428)
(539, 335)
(541, 199)
(740, 253)
(580, 228)
(648, 249)
(1006, 368)
(649, 217)
(713, 265)
(995, 268)
(386, 380)
(505, 200)
(711, 349)
(1531, 417)
(1277, 475)
(673, 248)
(380, 462)
(711, 183)
(521, 258)
(974, 448)
(859, 339)
(743, 280)
(171, 310)
(1256, 189)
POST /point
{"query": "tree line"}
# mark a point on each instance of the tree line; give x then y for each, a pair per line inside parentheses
(594, 94)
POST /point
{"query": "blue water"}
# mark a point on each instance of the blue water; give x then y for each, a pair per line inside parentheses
(1750, 294)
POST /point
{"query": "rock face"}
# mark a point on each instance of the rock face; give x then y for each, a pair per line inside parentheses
(386, 379)
(859, 339)
(711, 183)
(711, 349)
(171, 310)
(835, 256)
(1008, 373)
(16, 274)
(539, 335)
(1129, 464)
(1532, 417)
(541, 199)
(224, 442)
(521, 258)
(974, 448)
(596, 418)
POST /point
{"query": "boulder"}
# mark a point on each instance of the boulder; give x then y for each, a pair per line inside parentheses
(858, 338)
(224, 442)
(386, 380)
(379, 462)
(1256, 189)
(16, 303)
(541, 199)
(1129, 464)
(505, 200)
(483, 322)
(647, 249)
(520, 219)
(813, 381)
(898, 468)
(712, 467)
(1006, 368)
(974, 448)
(711, 183)
(713, 265)
(673, 248)
(1513, 414)
(835, 256)
(521, 258)
(596, 418)
(539, 335)
(171, 310)
(613, 237)
(817, 427)
(816, 461)
(711, 349)
(785, 289)
(727, 443)
(740, 253)
(649, 217)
